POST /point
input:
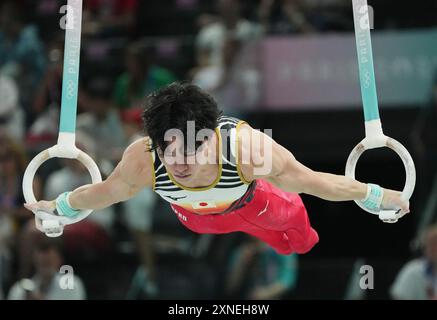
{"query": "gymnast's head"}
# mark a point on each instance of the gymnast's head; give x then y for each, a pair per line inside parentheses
(180, 120)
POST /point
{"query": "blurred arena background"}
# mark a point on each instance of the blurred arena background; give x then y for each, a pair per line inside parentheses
(285, 65)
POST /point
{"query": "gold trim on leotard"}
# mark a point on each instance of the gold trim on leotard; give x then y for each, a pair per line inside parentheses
(237, 162)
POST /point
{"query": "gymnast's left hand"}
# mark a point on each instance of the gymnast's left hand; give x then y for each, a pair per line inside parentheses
(392, 200)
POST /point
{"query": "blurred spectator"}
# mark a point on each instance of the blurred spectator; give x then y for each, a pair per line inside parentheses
(50, 89)
(257, 272)
(21, 52)
(133, 124)
(234, 83)
(417, 280)
(102, 121)
(13, 162)
(109, 17)
(212, 37)
(139, 217)
(140, 79)
(46, 282)
(284, 17)
(11, 114)
(138, 214)
(46, 105)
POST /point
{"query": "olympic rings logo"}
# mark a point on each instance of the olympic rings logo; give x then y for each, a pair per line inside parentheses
(70, 89)
(366, 79)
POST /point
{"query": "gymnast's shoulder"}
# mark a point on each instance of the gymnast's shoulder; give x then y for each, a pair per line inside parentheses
(137, 163)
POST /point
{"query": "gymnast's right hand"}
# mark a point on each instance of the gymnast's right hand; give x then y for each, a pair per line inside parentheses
(46, 206)
(44, 211)
(46, 218)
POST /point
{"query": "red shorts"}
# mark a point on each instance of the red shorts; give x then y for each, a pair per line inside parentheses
(274, 216)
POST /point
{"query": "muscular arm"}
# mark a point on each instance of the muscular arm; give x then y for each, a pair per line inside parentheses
(131, 175)
(290, 175)
(257, 149)
(274, 163)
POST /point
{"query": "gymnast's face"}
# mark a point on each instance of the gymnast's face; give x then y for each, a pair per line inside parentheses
(187, 163)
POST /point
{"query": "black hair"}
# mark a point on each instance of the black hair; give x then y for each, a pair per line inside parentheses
(171, 107)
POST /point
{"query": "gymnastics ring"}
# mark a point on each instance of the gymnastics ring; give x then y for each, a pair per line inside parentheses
(52, 225)
(380, 141)
(65, 148)
(375, 137)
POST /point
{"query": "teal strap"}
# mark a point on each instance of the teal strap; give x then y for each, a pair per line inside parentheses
(64, 208)
(71, 67)
(365, 60)
(374, 199)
